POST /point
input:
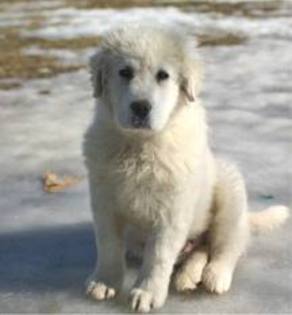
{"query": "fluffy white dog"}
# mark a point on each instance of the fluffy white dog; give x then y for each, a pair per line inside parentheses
(151, 168)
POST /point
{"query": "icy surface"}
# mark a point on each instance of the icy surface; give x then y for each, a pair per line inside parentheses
(46, 240)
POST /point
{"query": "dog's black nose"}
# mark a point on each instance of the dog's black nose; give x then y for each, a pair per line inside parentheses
(141, 109)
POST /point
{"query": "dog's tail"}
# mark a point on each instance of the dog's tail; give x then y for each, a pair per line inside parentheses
(268, 219)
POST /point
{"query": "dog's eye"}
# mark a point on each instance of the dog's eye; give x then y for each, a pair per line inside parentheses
(162, 75)
(127, 73)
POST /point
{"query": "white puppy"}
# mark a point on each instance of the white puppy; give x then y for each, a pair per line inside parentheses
(150, 167)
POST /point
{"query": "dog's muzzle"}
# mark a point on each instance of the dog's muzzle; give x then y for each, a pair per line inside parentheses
(140, 113)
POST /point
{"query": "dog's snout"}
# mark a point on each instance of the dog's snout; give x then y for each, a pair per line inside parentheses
(141, 108)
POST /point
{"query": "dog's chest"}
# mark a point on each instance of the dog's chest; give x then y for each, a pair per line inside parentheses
(145, 186)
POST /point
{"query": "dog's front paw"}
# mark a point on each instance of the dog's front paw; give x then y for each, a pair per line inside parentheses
(144, 301)
(217, 278)
(100, 291)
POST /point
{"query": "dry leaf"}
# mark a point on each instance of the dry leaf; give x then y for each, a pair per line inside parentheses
(53, 183)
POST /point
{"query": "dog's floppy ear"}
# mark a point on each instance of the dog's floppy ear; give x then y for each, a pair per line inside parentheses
(97, 64)
(191, 81)
(187, 87)
(191, 77)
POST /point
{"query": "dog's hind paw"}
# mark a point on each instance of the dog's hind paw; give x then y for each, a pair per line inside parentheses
(100, 291)
(189, 275)
(184, 282)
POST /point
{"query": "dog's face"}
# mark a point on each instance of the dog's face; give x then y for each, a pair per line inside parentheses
(143, 96)
(142, 86)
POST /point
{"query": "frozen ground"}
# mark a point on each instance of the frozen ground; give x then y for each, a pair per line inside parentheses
(46, 240)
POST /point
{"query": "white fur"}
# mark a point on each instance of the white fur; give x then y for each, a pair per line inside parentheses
(164, 181)
(269, 219)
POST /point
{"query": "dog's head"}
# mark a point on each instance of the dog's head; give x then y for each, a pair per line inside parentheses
(143, 74)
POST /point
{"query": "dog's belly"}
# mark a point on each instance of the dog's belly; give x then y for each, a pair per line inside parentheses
(136, 239)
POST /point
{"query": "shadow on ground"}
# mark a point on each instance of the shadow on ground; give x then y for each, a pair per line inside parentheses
(50, 258)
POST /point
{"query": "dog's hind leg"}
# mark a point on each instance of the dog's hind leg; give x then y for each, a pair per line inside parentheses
(228, 229)
(189, 275)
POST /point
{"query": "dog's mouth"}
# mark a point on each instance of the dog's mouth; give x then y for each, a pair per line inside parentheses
(138, 123)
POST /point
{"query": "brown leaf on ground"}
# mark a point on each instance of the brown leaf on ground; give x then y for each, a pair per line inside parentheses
(53, 183)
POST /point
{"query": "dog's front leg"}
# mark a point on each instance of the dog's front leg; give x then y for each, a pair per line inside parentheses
(108, 275)
(160, 254)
